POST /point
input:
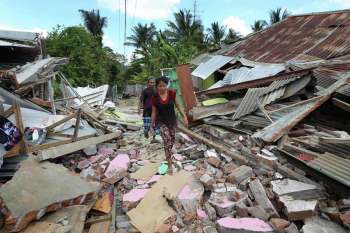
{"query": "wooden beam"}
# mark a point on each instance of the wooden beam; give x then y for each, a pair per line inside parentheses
(297, 104)
(62, 121)
(341, 104)
(58, 151)
(19, 124)
(102, 111)
(59, 135)
(8, 112)
(263, 110)
(96, 219)
(335, 140)
(48, 145)
(220, 148)
(77, 124)
(328, 131)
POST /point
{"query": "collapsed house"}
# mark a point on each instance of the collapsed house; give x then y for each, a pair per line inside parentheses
(266, 150)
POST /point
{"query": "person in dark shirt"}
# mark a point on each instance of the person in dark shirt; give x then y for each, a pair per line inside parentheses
(145, 99)
(163, 113)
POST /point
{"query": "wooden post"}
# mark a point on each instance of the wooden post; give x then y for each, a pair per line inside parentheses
(187, 90)
(19, 124)
(77, 124)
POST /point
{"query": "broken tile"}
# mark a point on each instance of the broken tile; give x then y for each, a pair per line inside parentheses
(132, 198)
(317, 225)
(251, 225)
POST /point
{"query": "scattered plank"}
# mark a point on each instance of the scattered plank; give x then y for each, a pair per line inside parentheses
(97, 219)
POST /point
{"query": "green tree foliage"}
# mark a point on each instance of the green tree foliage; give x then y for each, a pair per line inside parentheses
(232, 35)
(216, 34)
(142, 35)
(87, 58)
(184, 26)
(258, 25)
(277, 15)
(94, 23)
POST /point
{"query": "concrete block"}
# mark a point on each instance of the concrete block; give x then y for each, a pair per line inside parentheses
(317, 225)
(243, 225)
(208, 181)
(259, 212)
(91, 150)
(189, 200)
(210, 211)
(298, 209)
(214, 161)
(267, 160)
(239, 174)
(242, 210)
(122, 221)
(222, 203)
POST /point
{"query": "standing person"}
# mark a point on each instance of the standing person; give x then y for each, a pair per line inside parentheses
(145, 98)
(163, 113)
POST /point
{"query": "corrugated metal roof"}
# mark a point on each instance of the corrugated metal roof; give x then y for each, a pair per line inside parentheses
(256, 119)
(11, 44)
(18, 35)
(225, 122)
(204, 70)
(202, 58)
(341, 149)
(333, 166)
(278, 128)
(244, 74)
(300, 38)
(215, 110)
(249, 102)
(279, 83)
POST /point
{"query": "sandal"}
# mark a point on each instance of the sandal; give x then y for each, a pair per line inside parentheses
(146, 134)
(155, 141)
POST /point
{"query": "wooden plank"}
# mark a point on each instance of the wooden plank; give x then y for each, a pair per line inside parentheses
(8, 112)
(48, 145)
(62, 121)
(19, 123)
(186, 86)
(12, 153)
(328, 131)
(58, 151)
(296, 104)
(97, 219)
(301, 150)
(77, 124)
(220, 148)
(86, 136)
(263, 110)
(335, 140)
(341, 104)
(101, 227)
(102, 111)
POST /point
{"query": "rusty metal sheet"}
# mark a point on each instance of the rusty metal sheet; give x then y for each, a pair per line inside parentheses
(278, 128)
(333, 166)
(249, 103)
(215, 110)
(300, 38)
(204, 70)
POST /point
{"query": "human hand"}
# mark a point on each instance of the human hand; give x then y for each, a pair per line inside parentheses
(152, 131)
(140, 111)
(185, 121)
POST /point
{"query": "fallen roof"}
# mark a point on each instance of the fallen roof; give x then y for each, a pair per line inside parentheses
(18, 35)
(204, 70)
(300, 38)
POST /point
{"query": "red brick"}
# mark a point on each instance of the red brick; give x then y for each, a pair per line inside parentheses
(214, 161)
(279, 224)
(255, 149)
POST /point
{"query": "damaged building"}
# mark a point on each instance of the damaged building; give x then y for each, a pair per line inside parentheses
(266, 149)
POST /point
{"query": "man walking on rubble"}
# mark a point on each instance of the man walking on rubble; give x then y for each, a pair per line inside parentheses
(145, 99)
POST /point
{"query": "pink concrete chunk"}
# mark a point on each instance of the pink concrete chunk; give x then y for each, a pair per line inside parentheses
(249, 224)
(191, 190)
(72, 161)
(104, 161)
(120, 162)
(190, 147)
(142, 162)
(185, 136)
(133, 160)
(154, 178)
(174, 228)
(178, 156)
(190, 168)
(135, 195)
(202, 214)
(87, 162)
(105, 152)
(132, 152)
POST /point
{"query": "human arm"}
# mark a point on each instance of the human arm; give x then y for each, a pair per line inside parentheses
(177, 103)
(153, 117)
(140, 104)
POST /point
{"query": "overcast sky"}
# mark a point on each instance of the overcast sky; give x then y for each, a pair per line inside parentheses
(42, 16)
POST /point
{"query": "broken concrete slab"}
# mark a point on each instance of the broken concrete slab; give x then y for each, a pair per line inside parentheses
(259, 212)
(286, 186)
(243, 225)
(189, 200)
(317, 225)
(262, 199)
(298, 209)
(42, 187)
(239, 174)
(74, 214)
(41, 227)
(91, 150)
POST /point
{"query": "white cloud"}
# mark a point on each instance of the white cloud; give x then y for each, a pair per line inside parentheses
(145, 9)
(236, 24)
(321, 5)
(43, 32)
(107, 41)
(297, 11)
(342, 3)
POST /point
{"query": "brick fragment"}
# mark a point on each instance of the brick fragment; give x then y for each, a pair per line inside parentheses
(208, 181)
(242, 210)
(165, 228)
(214, 161)
(279, 224)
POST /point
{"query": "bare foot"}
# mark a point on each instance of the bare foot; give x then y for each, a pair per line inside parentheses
(169, 171)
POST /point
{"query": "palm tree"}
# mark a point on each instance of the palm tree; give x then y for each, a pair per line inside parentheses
(216, 33)
(275, 16)
(258, 25)
(232, 35)
(183, 26)
(142, 35)
(94, 23)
